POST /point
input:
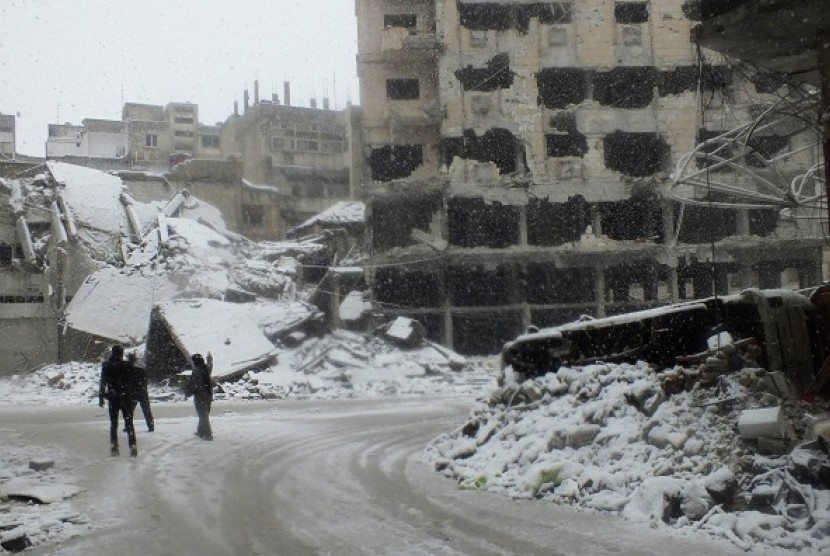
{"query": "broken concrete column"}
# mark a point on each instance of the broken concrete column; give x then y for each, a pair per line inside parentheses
(25, 238)
(768, 422)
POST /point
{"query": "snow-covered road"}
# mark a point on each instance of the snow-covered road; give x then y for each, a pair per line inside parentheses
(305, 477)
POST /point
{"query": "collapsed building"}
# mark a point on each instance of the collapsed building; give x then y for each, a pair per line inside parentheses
(86, 262)
(519, 155)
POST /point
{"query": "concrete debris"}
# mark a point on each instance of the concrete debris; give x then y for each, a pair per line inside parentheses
(620, 442)
(767, 422)
(41, 465)
(406, 332)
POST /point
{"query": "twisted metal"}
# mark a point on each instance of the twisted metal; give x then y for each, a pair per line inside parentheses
(732, 171)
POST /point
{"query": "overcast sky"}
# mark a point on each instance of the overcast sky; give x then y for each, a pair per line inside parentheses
(66, 60)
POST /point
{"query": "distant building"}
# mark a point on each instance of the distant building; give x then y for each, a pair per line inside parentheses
(269, 168)
(311, 155)
(92, 139)
(7, 136)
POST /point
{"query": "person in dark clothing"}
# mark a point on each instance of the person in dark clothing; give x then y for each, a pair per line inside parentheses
(116, 387)
(201, 388)
(140, 394)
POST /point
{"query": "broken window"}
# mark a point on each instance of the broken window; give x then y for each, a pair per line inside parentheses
(625, 87)
(474, 223)
(705, 224)
(564, 139)
(151, 140)
(545, 284)
(634, 153)
(762, 222)
(403, 89)
(496, 75)
(395, 161)
(393, 217)
(253, 216)
(566, 144)
(498, 146)
(559, 87)
(631, 12)
(471, 286)
(552, 224)
(407, 21)
(498, 17)
(687, 78)
(483, 334)
(638, 218)
(401, 287)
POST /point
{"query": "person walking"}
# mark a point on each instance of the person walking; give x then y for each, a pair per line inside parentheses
(116, 387)
(140, 394)
(201, 388)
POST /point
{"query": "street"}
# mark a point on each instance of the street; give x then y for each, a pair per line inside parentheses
(305, 477)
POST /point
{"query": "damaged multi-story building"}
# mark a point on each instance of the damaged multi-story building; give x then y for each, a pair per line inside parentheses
(519, 156)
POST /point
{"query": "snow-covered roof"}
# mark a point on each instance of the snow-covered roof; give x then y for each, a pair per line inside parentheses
(93, 196)
(115, 305)
(344, 212)
(230, 332)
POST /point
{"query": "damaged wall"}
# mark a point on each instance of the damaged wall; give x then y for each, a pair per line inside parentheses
(583, 108)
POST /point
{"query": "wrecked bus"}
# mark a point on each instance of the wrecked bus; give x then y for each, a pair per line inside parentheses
(791, 327)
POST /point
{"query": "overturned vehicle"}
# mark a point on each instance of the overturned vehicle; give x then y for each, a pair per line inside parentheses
(780, 330)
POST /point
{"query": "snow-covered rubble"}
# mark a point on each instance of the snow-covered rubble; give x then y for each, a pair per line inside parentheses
(608, 438)
(337, 365)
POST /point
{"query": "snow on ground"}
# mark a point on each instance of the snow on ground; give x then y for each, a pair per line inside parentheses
(338, 365)
(606, 438)
(23, 522)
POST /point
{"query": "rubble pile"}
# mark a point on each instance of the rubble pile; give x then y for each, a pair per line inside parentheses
(337, 365)
(351, 364)
(611, 438)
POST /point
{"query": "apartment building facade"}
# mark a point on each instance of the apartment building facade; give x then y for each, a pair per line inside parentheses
(519, 158)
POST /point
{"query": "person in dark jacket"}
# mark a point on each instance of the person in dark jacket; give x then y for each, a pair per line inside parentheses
(140, 394)
(117, 387)
(201, 388)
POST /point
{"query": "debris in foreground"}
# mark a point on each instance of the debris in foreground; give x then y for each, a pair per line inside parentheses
(607, 437)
